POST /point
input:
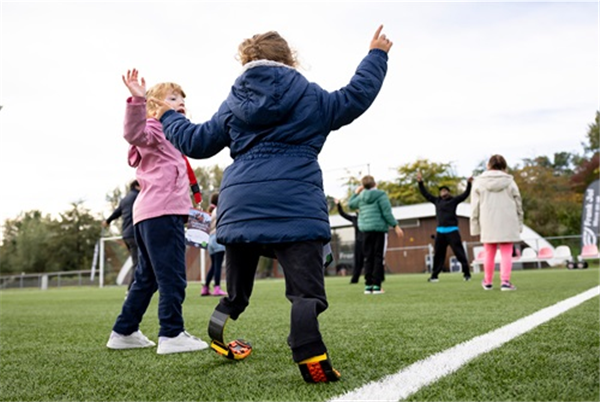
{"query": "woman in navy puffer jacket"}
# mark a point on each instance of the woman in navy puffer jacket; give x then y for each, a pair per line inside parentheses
(271, 199)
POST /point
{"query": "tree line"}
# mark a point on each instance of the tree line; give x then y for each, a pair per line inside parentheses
(552, 189)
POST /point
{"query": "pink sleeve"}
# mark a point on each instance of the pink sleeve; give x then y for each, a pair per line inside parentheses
(136, 132)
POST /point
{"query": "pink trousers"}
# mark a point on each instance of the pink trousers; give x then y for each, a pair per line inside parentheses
(505, 261)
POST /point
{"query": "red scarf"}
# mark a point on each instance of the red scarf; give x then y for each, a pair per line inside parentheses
(193, 182)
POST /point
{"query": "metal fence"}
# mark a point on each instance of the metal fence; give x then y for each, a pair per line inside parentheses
(414, 259)
(343, 263)
(47, 280)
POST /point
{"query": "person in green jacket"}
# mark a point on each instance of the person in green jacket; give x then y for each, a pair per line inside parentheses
(374, 218)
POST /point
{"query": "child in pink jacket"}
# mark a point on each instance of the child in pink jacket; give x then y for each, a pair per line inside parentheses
(159, 215)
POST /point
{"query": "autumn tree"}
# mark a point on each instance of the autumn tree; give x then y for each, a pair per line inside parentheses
(404, 189)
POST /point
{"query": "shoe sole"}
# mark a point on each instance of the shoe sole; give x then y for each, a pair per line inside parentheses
(182, 350)
(235, 350)
(123, 347)
(317, 372)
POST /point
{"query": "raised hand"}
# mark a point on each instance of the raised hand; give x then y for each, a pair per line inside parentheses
(380, 41)
(137, 88)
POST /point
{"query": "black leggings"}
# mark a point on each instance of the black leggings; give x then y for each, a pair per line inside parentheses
(302, 264)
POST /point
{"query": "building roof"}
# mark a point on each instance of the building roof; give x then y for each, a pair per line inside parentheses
(404, 212)
(427, 210)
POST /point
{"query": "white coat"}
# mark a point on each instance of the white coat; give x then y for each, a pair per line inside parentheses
(497, 212)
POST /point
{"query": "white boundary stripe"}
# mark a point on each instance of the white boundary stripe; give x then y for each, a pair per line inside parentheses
(399, 386)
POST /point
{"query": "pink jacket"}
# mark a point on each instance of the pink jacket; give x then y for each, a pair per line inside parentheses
(161, 169)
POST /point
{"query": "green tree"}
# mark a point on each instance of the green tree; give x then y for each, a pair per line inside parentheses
(25, 246)
(550, 206)
(593, 136)
(588, 166)
(404, 190)
(209, 180)
(74, 236)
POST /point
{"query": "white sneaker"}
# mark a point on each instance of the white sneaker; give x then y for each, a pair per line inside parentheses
(135, 340)
(183, 342)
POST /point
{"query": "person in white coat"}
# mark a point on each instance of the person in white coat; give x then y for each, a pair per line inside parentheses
(497, 217)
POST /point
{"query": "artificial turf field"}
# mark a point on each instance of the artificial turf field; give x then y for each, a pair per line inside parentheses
(52, 343)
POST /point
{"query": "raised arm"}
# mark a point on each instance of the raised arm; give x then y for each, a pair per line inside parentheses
(135, 84)
(428, 196)
(343, 106)
(343, 213)
(466, 193)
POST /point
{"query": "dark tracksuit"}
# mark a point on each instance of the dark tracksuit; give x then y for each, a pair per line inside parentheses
(271, 201)
(445, 210)
(125, 210)
(359, 257)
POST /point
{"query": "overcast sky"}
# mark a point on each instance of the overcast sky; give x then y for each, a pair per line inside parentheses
(465, 80)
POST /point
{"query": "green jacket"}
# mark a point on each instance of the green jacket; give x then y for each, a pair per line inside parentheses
(375, 210)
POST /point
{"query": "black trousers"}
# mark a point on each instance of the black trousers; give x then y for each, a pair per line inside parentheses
(302, 264)
(359, 261)
(133, 251)
(442, 241)
(373, 248)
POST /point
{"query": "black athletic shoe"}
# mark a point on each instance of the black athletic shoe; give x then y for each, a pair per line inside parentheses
(318, 369)
(467, 278)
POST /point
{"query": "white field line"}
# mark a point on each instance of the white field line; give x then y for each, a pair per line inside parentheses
(399, 386)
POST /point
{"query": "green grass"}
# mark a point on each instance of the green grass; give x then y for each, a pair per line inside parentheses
(52, 343)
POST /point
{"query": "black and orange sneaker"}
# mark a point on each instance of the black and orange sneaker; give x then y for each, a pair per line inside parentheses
(235, 350)
(318, 369)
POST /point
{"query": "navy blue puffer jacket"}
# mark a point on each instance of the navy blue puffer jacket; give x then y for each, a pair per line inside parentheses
(275, 123)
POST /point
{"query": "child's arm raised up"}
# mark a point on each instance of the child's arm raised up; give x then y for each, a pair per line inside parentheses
(135, 86)
(380, 41)
(341, 107)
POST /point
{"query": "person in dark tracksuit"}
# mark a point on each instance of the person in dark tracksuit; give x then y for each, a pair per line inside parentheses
(125, 211)
(359, 257)
(447, 233)
(275, 123)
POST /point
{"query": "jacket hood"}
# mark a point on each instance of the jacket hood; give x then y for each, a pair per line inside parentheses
(495, 180)
(372, 195)
(265, 92)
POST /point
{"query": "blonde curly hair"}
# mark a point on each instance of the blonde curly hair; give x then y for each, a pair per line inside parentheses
(267, 46)
(160, 91)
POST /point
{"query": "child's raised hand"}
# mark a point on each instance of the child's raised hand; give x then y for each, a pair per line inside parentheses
(380, 41)
(137, 88)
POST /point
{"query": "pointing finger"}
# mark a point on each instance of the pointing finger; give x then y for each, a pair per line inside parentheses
(376, 36)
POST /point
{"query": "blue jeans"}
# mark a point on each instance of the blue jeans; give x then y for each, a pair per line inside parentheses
(216, 262)
(161, 266)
